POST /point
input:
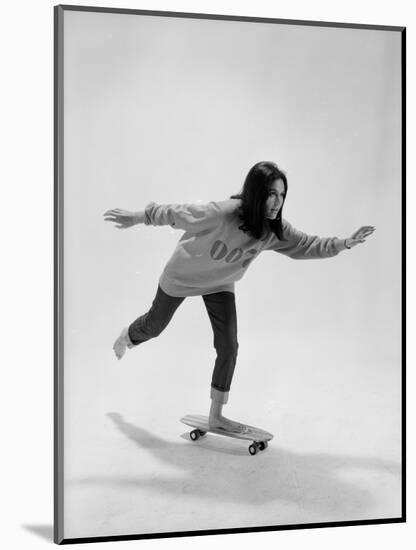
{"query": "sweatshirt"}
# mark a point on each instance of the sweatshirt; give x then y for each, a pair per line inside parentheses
(213, 253)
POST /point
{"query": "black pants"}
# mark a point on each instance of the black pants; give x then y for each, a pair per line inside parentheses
(222, 313)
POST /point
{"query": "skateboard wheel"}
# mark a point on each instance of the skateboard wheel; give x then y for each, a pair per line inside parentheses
(252, 449)
(263, 445)
(202, 433)
(194, 435)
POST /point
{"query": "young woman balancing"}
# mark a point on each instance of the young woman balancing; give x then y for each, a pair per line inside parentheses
(221, 239)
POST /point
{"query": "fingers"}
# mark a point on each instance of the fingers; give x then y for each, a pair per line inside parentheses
(362, 234)
(113, 211)
(113, 216)
(364, 231)
(118, 220)
(368, 230)
(354, 242)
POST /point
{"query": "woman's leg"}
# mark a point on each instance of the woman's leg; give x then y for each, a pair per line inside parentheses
(149, 325)
(222, 313)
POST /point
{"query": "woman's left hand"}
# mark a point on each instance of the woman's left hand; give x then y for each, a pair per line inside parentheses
(360, 235)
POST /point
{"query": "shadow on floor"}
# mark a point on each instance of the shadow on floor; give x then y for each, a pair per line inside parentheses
(43, 531)
(217, 467)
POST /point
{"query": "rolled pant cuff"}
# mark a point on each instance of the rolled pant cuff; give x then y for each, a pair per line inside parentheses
(219, 396)
(129, 342)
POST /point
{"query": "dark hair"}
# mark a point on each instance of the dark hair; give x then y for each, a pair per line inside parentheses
(254, 195)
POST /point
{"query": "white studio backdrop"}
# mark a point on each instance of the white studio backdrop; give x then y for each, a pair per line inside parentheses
(178, 110)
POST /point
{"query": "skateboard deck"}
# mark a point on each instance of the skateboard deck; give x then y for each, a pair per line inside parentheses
(258, 437)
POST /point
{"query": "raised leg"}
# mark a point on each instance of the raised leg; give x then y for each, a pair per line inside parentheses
(149, 325)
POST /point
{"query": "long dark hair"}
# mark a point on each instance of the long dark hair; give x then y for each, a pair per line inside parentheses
(254, 195)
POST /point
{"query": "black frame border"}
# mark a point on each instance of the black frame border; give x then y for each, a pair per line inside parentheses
(59, 272)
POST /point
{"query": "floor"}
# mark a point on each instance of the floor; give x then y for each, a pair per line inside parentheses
(130, 467)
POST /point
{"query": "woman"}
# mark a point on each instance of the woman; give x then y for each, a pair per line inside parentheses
(221, 239)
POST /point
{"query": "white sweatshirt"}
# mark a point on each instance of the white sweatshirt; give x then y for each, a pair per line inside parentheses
(213, 252)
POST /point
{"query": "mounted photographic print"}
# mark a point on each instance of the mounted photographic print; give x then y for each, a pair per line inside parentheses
(229, 274)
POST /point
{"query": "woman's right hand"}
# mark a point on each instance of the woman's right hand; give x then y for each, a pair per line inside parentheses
(123, 218)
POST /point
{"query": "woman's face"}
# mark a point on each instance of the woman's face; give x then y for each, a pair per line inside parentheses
(275, 199)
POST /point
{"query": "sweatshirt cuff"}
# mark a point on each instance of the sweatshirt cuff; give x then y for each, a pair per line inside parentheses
(147, 212)
(339, 244)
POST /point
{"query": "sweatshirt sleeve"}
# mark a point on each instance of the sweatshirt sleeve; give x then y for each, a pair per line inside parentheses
(188, 217)
(300, 246)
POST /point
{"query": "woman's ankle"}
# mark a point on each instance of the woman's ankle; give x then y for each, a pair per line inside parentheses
(219, 396)
(127, 339)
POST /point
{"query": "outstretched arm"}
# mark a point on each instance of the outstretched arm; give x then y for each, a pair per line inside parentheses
(192, 217)
(124, 218)
(301, 246)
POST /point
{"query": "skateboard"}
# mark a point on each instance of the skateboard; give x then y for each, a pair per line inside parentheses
(258, 437)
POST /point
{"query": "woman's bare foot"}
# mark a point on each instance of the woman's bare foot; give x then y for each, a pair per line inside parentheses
(222, 423)
(122, 343)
